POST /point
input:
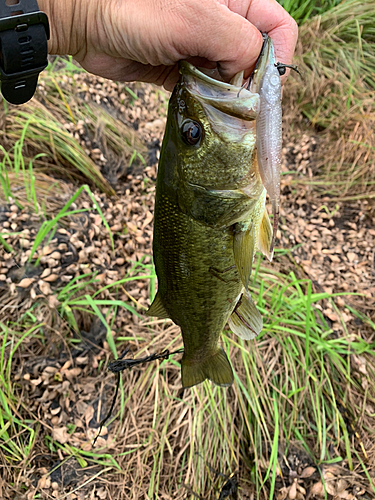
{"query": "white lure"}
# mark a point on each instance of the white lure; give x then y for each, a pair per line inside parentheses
(269, 132)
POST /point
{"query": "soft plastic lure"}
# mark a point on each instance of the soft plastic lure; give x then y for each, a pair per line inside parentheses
(266, 82)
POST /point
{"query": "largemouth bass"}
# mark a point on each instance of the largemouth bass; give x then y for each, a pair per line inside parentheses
(210, 216)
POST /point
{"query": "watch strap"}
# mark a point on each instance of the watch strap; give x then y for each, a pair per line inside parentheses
(24, 32)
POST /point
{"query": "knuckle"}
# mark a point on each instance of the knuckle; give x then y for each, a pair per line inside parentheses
(292, 25)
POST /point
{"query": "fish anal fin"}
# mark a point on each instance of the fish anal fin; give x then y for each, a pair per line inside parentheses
(265, 237)
(246, 321)
(216, 368)
(243, 250)
(157, 308)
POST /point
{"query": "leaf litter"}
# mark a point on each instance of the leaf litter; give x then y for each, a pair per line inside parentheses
(59, 376)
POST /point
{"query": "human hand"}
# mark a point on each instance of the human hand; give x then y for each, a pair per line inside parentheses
(143, 40)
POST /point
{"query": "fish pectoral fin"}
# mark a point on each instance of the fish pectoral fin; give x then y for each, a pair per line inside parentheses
(265, 237)
(216, 368)
(246, 321)
(243, 250)
(157, 308)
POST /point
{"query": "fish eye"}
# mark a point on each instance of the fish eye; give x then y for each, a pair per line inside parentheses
(191, 132)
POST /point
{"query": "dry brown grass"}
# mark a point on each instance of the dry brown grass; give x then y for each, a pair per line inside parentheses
(64, 135)
(337, 59)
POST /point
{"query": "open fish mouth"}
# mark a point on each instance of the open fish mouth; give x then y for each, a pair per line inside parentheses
(229, 98)
(234, 99)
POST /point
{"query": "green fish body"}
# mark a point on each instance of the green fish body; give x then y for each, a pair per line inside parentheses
(210, 218)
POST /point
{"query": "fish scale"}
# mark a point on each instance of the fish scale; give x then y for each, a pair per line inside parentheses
(188, 297)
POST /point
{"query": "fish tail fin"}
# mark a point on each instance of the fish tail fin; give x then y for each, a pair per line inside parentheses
(216, 368)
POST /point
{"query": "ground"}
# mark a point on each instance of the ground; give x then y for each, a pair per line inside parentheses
(158, 443)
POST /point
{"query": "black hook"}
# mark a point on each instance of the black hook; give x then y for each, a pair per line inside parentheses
(281, 68)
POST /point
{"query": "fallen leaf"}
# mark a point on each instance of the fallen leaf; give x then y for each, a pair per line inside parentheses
(345, 495)
(282, 493)
(101, 493)
(36, 381)
(351, 256)
(341, 485)
(25, 283)
(317, 490)
(51, 278)
(44, 287)
(60, 434)
(293, 490)
(308, 472)
(53, 303)
(89, 413)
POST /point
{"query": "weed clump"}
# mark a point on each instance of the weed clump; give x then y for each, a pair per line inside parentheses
(337, 58)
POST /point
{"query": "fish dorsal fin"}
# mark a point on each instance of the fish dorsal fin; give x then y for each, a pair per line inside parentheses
(243, 250)
(157, 308)
(265, 237)
(246, 321)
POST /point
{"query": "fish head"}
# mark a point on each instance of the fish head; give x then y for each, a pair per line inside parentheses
(211, 128)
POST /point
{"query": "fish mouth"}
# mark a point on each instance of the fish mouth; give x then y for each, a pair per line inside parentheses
(234, 99)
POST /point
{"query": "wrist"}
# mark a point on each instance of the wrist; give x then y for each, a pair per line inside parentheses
(64, 18)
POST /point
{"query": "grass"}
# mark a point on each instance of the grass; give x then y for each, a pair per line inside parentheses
(336, 58)
(49, 227)
(17, 434)
(50, 126)
(16, 175)
(290, 385)
(303, 10)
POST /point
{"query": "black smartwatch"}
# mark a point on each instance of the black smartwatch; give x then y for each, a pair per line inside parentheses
(24, 31)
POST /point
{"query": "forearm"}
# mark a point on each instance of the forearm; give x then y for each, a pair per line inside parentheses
(118, 28)
(79, 27)
(68, 21)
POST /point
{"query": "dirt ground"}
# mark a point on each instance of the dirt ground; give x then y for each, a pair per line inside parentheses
(328, 241)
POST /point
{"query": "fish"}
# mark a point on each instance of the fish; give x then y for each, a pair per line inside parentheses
(210, 215)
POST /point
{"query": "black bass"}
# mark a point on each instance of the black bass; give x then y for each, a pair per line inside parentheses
(210, 217)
